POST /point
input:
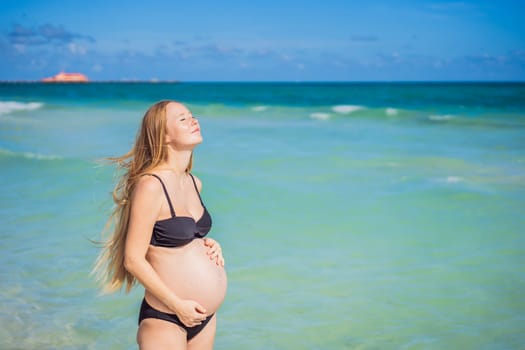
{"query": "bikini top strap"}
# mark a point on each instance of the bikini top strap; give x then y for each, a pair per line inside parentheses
(165, 192)
(196, 189)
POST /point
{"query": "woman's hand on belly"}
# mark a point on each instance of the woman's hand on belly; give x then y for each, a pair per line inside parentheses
(191, 313)
(214, 251)
(190, 275)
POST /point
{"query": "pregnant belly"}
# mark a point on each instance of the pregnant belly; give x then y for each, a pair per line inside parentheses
(189, 273)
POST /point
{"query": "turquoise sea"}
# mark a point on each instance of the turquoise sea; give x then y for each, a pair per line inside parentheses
(351, 215)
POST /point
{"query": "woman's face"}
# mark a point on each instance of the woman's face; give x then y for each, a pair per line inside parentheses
(182, 129)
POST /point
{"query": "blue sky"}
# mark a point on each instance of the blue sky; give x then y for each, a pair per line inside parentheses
(284, 40)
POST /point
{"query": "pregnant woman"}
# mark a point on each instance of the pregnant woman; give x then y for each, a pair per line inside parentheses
(160, 223)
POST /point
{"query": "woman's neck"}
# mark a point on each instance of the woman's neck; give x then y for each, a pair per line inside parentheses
(177, 161)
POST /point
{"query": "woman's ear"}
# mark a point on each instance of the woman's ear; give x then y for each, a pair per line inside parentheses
(167, 138)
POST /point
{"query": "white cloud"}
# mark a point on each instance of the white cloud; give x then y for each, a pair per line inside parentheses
(286, 58)
(19, 48)
(76, 49)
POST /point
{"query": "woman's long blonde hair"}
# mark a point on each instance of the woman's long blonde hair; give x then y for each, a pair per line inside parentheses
(148, 152)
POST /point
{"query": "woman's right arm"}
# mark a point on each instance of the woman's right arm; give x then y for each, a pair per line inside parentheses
(146, 202)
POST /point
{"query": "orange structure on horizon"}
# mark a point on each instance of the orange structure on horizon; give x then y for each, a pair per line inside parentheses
(66, 77)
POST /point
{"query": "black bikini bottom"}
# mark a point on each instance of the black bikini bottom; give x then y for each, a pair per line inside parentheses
(146, 311)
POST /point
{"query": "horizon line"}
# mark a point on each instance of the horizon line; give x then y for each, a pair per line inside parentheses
(168, 81)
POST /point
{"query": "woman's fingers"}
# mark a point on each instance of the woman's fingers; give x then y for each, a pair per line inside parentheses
(213, 245)
(200, 314)
(219, 260)
(200, 309)
(214, 251)
(192, 314)
(209, 242)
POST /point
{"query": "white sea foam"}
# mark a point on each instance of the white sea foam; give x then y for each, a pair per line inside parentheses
(391, 111)
(259, 108)
(320, 116)
(345, 109)
(7, 107)
(453, 179)
(439, 117)
(29, 155)
(38, 156)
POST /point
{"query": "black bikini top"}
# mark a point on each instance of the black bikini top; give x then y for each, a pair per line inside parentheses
(179, 230)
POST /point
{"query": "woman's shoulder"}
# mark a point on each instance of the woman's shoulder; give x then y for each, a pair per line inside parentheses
(147, 196)
(148, 184)
(198, 181)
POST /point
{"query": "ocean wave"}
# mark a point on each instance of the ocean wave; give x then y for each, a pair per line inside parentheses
(320, 116)
(7, 107)
(28, 155)
(345, 109)
(453, 179)
(393, 164)
(259, 108)
(391, 111)
(439, 117)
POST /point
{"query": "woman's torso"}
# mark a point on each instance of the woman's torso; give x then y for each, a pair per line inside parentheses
(178, 254)
(190, 274)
